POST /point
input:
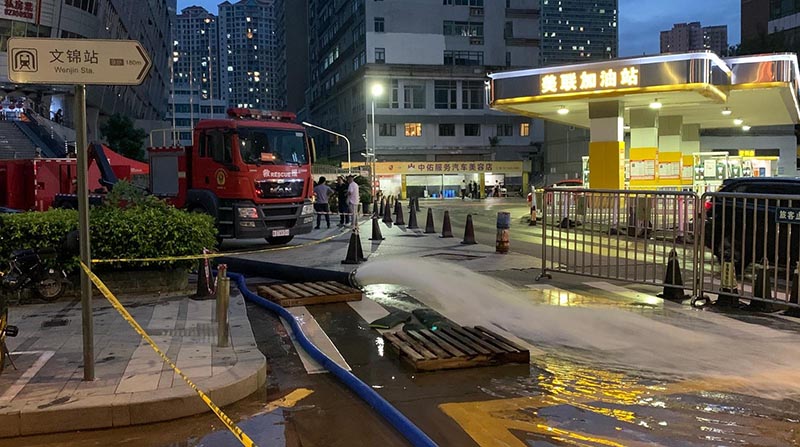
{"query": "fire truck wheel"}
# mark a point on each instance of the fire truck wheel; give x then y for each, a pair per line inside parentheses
(282, 240)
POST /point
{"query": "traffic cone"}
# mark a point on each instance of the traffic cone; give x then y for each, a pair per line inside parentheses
(355, 254)
(398, 213)
(762, 287)
(469, 232)
(795, 293)
(376, 230)
(447, 230)
(204, 284)
(673, 279)
(429, 228)
(387, 214)
(416, 204)
(412, 218)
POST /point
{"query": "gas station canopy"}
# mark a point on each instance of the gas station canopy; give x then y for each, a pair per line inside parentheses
(705, 89)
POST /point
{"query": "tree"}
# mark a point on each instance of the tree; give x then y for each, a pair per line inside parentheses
(123, 137)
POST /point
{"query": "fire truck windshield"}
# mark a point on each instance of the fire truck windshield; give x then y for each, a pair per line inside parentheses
(259, 146)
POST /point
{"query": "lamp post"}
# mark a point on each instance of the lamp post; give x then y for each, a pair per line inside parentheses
(349, 167)
(207, 21)
(376, 92)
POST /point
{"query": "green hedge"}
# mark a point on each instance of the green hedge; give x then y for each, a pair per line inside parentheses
(139, 230)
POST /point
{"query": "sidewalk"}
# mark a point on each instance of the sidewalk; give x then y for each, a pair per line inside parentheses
(133, 386)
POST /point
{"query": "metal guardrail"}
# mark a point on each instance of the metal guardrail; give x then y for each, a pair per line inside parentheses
(634, 236)
(729, 246)
(750, 247)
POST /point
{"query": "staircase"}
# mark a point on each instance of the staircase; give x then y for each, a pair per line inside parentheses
(14, 143)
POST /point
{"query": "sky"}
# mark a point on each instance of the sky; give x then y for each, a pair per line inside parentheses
(640, 20)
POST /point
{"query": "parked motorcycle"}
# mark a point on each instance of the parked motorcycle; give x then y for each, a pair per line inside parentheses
(28, 269)
(5, 331)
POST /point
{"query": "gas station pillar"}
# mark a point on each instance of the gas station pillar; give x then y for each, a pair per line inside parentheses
(669, 151)
(606, 145)
(669, 133)
(644, 147)
(690, 139)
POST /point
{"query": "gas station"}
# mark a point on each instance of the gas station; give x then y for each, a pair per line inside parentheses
(663, 103)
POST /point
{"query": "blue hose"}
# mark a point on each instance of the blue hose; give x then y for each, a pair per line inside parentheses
(407, 428)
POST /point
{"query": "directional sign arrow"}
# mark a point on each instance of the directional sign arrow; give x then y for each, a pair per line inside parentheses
(77, 61)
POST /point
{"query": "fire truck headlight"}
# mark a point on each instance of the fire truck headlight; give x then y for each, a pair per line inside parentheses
(248, 213)
(308, 209)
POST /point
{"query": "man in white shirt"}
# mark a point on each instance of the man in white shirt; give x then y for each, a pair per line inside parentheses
(352, 199)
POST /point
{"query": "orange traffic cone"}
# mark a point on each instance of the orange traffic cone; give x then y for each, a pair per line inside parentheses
(412, 218)
(469, 232)
(355, 254)
(447, 230)
(398, 213)
(429, 228)
(387, 214)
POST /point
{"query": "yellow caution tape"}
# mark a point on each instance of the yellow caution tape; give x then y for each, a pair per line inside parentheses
(237, 432)
(215, 255)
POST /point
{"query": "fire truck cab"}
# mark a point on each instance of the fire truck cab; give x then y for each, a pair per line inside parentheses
(251, 172)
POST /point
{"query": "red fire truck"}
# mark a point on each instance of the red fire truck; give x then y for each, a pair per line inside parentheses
(251, 172)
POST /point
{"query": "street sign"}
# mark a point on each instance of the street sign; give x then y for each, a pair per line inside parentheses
(76, 61)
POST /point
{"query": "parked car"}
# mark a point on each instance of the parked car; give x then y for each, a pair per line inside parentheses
(745, 230)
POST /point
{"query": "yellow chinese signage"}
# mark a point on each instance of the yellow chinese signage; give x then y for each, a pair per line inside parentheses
(588, 80)
(446, 167)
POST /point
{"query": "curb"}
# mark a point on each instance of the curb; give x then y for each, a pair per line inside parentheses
(121, 410)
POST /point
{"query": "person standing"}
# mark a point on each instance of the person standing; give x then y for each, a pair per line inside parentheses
(341, 196)
(463, 189)
(322, 191)
(352, 199)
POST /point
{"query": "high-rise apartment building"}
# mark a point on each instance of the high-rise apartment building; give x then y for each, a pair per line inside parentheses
(195, 53)
(685, 37)
(755, 16)
(573, 31)
(291, 53)
(430, 60)
(248, 75)
(578, 30)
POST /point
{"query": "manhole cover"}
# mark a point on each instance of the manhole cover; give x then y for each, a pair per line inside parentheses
(453, 256)
(56, 322)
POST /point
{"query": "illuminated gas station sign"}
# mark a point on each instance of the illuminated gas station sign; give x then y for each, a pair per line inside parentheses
(589, 80)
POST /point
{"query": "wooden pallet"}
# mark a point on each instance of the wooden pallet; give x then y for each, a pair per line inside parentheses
(454, 347)
(308, 293)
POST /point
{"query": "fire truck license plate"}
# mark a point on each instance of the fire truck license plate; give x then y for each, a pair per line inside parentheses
(278, 233)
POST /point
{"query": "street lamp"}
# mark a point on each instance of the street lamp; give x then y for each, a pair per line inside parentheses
(349, 164)
(377, 92)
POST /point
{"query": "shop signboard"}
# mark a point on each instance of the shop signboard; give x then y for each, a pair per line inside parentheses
(21, 10)
(447, 167)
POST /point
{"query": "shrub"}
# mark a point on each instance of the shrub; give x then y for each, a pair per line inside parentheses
(151, 230)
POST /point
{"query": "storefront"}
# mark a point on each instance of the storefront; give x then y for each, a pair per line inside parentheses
(444, 179)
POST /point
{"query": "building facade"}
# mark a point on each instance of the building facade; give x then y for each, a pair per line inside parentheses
(578, 30)
(147, 21)
(291, 53)
(246, 53)
(685, 37)
(431, 69)
(755, 15)
(186, 109)
(196, 53)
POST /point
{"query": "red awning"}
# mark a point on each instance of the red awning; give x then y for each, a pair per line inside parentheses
(116, 160)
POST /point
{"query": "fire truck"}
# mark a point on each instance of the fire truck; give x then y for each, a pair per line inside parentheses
(251, 172)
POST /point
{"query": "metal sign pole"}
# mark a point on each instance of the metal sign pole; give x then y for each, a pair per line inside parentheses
(82, 148)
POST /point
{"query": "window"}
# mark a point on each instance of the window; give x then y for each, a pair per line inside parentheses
(413, 129)
(524, 129)
(389, 100)
(472, 130)
(463, 57)
(472, 95)
(414, 96)
(445, 94)
(380, 55)
(505, 130)
(447, 130)
(508, 58)
(89, 6)
(380, 25)
(467, 29)
(258, 145)
(217, 145)
(387, 129)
